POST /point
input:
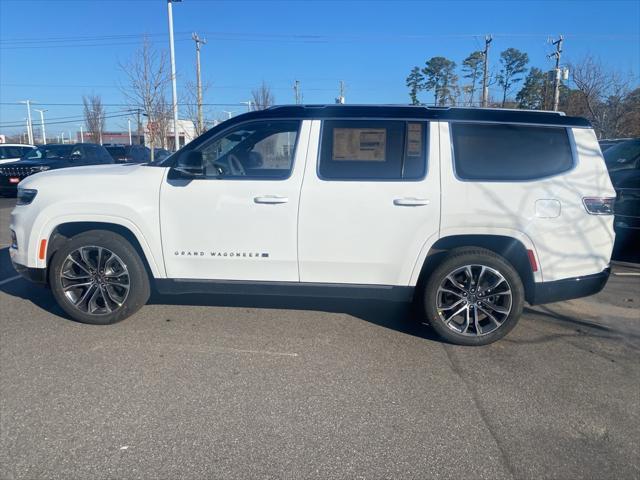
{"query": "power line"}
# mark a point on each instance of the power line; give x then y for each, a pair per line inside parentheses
(20, 124)
(108, 40)
(236, 104)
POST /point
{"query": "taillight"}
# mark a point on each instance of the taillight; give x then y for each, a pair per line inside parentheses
(599, 205)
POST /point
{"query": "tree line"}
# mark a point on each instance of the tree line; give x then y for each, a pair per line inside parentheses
(593, 91)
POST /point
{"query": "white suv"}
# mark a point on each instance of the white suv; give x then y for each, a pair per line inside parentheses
(470, 211)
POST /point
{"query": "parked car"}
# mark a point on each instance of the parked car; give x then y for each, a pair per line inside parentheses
(160, 154)
(129, 153)
(623, 163)
(470, 212)
(50, 157)
(12, 152)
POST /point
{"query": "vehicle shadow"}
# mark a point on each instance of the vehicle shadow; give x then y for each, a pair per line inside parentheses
(402, 317)
(398, 316)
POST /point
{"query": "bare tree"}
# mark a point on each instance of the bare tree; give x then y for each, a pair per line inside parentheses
(262, 97)
(148, 75)
(163, 117)
(602, 94)
(94, 116)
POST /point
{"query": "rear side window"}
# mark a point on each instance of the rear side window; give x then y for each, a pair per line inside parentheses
(373, 150)
(509, 152)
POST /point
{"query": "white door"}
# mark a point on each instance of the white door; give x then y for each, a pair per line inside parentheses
(370, 202)
(239, 222)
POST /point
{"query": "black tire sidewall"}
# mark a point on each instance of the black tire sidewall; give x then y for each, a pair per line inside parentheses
(476, 257)
(139, 288)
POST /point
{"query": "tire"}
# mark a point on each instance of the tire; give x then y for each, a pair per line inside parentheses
(121, 281)
(450, 288)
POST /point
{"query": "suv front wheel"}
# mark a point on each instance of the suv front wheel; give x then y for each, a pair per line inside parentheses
(474, 297)
(98, 277)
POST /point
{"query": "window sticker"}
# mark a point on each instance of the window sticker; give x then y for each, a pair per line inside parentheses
(414, 140)
(359, 144)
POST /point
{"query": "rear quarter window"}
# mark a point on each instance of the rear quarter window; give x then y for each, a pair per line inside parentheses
(509, 152)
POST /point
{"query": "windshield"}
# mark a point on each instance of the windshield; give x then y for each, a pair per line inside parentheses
(623, 156)
(50, 151)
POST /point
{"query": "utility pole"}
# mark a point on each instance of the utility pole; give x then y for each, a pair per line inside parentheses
(199, 41)
(174, 89)
(139, 128)
(29, 123)
(556, 83)
(296, 89)
(82, 135)
(485, 73)
(44, 133)
(340, 98)
(129, 122)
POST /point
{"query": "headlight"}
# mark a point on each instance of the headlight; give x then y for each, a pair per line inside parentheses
(26, 196)
(41, 168)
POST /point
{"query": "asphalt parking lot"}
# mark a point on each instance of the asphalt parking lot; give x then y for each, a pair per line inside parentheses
(251, 387)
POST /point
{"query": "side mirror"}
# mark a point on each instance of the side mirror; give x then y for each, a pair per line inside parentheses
(191, 164)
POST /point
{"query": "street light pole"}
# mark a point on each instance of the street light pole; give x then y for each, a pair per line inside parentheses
(129, 121)
(81, 134)
(173, 75)
(44, 133)
(29, 124)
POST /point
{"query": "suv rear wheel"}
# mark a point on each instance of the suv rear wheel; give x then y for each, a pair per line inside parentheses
(98, 277)
(474, 297)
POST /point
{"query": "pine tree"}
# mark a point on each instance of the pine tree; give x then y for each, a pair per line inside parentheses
(415, 82)
(440, 77)
(514, 62)
(472, 69)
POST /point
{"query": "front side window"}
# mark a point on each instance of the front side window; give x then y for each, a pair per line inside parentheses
(494, 152)
(254, 150)
(372, 150)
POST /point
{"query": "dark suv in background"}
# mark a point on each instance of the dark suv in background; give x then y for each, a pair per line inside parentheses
(129, 153)
(623, 163)
(50, 157)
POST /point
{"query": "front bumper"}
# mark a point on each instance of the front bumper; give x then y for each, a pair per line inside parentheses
(35, 275)
(9, 190)
(568, 288)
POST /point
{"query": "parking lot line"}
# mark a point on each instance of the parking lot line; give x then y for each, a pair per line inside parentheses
(627, 274)
(10, 279)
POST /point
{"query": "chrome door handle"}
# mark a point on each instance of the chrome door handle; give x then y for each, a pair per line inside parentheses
(411, 202)
(271, 199)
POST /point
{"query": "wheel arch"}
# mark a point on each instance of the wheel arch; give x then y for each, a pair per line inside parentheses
(64, 231)
(510, 248)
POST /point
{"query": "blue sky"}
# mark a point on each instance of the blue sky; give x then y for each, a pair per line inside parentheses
(45, 54)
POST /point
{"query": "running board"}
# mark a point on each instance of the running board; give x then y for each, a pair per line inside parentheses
(286, 289)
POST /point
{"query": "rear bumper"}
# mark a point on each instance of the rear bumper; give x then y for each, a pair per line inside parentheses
(568, 288)
(35, 275)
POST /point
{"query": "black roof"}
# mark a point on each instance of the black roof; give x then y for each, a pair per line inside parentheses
(400, 112)
(417, 112)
